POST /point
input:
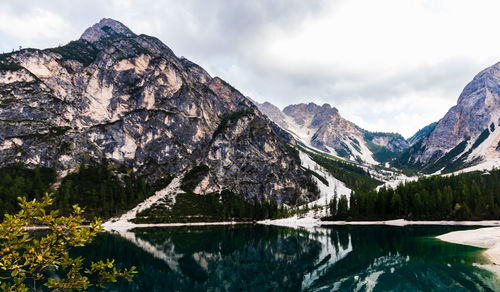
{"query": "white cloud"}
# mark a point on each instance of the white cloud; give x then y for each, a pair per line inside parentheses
(33, 25)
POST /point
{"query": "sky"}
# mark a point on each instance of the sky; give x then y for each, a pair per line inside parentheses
(387, 65)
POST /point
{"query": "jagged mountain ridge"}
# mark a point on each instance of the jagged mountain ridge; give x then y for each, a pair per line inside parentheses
(128, 98)
(468, 133)
(323, 127)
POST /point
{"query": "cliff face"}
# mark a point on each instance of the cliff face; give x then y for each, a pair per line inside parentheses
(126, 97)
(467, 134)
(324, 128)
(330, 129)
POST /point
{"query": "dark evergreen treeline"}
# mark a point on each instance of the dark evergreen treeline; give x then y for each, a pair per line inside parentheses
(17, 180)
(96, 188)
(102, 190)
(468, 196)
(213, 207)
(106, 190)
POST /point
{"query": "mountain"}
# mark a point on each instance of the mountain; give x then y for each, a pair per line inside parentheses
(273, 112)
(421, 134)
(468, 134)
(323, 128)
(127, 98)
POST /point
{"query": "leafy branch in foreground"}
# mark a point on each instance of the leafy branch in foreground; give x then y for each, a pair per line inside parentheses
(26, 261)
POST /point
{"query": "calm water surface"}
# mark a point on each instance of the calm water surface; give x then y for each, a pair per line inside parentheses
(266, 258)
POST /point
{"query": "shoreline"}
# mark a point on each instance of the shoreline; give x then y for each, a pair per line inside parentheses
(488, 238)
(299, 222)
(120, 225)
(403, 222)
(308, 222)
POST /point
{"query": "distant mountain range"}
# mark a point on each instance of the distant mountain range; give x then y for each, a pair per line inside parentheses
(467, 137)
(323, 128)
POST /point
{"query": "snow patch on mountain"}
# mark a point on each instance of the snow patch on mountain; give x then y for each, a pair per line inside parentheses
(301, 133)
(323, 129)
(397, 180)
(305, 134)
(124, 222)
(327, 192)
(487, 150)
(365, 154)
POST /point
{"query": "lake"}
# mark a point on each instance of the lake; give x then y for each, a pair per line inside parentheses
(267, 258)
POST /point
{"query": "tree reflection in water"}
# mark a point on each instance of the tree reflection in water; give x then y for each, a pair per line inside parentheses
(266, 258)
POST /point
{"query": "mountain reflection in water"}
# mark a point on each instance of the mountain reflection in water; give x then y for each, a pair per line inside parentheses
(267, 258)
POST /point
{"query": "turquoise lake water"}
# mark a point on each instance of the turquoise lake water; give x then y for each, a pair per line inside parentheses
(266, 258)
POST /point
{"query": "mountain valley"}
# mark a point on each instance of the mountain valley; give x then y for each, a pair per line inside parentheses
(126, 106)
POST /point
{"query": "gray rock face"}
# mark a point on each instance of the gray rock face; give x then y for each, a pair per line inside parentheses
(324, 128)
(126, 97)
(273, 112)
(330, 128)
(477, 108)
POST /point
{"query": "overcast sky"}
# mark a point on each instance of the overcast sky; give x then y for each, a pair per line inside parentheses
(387, 65)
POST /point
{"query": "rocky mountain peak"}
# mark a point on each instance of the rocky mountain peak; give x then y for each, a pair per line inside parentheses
(129, 99)
(272, 112)
(467, 134)
(323, 128)
(302, 110)
(105, 28)
(487, 79)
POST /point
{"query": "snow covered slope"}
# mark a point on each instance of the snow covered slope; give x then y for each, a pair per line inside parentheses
(124, 222)
(327, 192)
